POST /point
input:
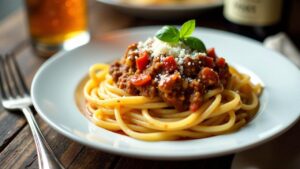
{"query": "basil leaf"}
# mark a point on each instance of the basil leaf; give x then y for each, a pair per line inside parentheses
(187, 28)
(195, 44)
(168, 34)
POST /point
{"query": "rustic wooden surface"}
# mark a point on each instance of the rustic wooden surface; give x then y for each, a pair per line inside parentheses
(17, 148)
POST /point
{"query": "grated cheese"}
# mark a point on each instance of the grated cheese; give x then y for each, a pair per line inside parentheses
(157, 48)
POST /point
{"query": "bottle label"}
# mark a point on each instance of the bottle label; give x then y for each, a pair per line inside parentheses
(253, 12)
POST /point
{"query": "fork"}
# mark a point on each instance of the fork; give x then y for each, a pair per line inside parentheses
(15, 95)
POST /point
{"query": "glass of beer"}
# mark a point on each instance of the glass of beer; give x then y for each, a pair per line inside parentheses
(57, 24)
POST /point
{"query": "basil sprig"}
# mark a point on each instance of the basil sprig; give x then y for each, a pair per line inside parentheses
(187, 28)
(171, 34)
(168, 34)
(195, 43)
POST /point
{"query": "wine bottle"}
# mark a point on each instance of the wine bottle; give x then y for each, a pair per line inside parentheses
(255, 18)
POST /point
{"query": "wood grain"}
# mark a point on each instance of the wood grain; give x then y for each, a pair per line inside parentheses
(10, 126)
(212, 163)
(23, 149)
(13, 31)
(11, 35)
(21, 152)
(11, 123)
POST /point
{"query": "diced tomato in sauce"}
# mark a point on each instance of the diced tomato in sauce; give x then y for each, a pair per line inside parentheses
(209, 76)
(208, 61)
(211, 53)
(142, 61)
(221, 62)
(141, 79)
(170, 64)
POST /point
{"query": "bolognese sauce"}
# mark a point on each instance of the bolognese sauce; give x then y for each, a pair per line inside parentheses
(177, 74)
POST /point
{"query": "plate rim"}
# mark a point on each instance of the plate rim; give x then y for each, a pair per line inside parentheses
(118, 4)
(138, 154)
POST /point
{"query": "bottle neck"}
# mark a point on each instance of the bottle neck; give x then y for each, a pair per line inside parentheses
(253, 12)
(254, 18)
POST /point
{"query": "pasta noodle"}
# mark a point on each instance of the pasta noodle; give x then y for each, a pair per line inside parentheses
(151, 119)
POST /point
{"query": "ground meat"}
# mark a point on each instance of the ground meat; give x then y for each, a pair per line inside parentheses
(182, 88)
(125, 84)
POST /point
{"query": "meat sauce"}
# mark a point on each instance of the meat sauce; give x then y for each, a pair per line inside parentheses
(180, 85)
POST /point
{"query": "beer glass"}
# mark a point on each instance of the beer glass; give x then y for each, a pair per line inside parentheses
(57, 24)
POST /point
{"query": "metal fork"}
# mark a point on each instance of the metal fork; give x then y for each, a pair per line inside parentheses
(15, 95)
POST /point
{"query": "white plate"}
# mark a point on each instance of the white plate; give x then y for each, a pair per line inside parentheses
(55, 83)
(163, 11)
(283, 152)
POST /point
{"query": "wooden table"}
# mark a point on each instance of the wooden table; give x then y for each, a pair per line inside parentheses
(17, 149)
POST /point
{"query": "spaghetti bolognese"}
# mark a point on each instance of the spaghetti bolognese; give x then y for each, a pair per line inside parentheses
(161, 91)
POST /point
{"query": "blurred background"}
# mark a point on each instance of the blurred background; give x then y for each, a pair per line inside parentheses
(8, 6)
(107, 15)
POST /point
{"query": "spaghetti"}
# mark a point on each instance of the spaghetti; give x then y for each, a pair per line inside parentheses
(223, 110)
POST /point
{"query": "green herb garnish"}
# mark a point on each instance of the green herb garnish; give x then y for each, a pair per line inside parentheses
(168, 34)
(195, 43)
(187, 28)
(171, 34)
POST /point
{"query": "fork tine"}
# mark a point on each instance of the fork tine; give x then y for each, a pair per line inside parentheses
(9, 88)
(19, 74)
(16, 74)
(3, 86)
(10, 77)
